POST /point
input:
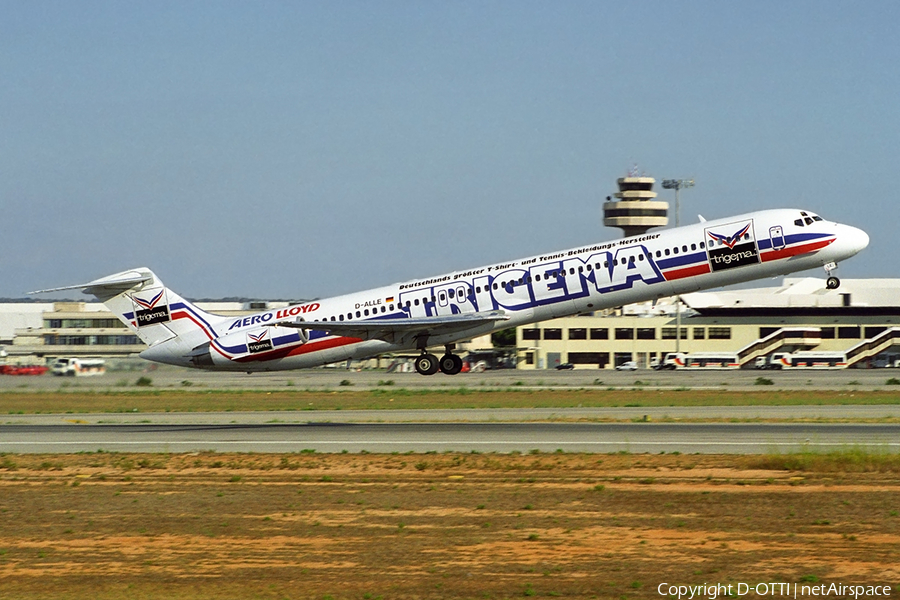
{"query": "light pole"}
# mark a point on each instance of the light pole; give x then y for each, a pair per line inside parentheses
(677, 185)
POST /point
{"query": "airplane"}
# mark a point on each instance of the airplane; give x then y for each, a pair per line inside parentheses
(442, 310)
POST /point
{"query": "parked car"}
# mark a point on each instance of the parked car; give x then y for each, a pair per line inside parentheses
(629, 365)
(565, 367)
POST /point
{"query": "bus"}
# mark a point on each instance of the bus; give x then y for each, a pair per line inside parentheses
(808, 360)
(701, 360)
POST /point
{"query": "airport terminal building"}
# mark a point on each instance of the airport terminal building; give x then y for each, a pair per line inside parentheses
(858, 320)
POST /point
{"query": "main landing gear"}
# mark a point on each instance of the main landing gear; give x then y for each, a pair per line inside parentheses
(449, 364)
(832, 283)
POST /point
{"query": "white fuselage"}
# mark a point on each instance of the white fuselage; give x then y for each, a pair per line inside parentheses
(608, 274)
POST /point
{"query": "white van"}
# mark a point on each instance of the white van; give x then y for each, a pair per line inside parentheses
(72, 367)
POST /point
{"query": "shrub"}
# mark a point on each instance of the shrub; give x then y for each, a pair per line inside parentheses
(144, 382)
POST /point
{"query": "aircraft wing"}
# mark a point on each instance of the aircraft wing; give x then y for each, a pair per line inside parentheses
(393, 330)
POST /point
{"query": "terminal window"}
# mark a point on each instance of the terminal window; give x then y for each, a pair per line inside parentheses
(578, 334)
(849, 333)
(646, 333)
(699, 333)
(599, 333)
(531, 334)
(553, 334)
(720, 333)
(624, 333)
(668, 333)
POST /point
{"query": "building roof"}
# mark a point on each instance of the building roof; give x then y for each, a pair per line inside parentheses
(802, 296)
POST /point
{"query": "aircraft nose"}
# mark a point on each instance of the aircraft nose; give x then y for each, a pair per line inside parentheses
(857, 239)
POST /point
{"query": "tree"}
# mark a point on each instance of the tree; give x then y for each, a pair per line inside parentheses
(504, 337)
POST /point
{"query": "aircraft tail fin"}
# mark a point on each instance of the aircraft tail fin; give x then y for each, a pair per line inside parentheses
(149, 309)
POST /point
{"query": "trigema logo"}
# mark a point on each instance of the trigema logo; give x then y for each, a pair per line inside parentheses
(152, 311)
(730, 246)
(257, 342)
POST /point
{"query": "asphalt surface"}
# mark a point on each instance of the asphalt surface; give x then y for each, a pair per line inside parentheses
(714, 438)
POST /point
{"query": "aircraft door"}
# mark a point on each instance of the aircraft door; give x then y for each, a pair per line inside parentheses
(776, 234)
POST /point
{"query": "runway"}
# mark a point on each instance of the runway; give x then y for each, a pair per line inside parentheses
(707, 438)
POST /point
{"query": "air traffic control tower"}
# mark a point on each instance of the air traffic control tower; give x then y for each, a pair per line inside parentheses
(635, 208)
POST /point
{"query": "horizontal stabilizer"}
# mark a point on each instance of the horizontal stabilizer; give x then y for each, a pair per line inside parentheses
(107, 287)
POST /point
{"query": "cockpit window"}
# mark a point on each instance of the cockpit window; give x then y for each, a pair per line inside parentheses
(799, 222)
(817, 218)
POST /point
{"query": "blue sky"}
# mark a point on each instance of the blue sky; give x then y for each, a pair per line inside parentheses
(293, 149)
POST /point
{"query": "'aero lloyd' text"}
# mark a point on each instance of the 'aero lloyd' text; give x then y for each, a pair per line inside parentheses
(281, 313)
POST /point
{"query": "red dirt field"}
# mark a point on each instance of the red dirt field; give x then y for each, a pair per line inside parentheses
(438, 525)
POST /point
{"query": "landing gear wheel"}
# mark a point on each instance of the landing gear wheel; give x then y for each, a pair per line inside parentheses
(451, 364)
(832, 283)
(427, 364)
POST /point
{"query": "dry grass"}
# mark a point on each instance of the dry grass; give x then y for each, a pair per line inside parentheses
(435, 525)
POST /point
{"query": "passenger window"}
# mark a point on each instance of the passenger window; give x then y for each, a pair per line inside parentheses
(640, 257)
(537, 277)
(684, 248)
(675, 250)
(667, 252)
(580, 269)
(658, 254)
(383, 309)
(701, 245)
(341, 317)
(450, 293)
(366, 312)
(693, 246)
(496, 286)
(606, 263)
(624, 260)
(443, 296)
(358, 315)
(332, 318)
(417, 301)
(572, 271)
